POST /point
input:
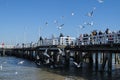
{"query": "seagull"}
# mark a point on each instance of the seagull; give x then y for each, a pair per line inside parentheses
(1, 67)
(47, 61)
(81, 26)
(90, 14)
(60, 27)
(21, 62)
(16, 73)
(46, 23)
(100, 1)
(85, 23)
(90, 24)
(73, 14)
(55, 21)
(62, 17)
(76, 64)
(94, 8)
(60, 51)
(45, 53)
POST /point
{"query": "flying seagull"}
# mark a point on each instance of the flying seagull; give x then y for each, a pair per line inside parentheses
(60, 51)
(45, 53)
(100, 1)
(89, 23)
(90, 14)
(55, 21)
(21, 62)
(62, 17)
(46, 23)
(76, 64)
(60, 27)
(72, 13)
(81, 26)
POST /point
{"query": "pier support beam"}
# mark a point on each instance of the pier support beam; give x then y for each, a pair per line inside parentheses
(107, 58)
(77, 57)
(67, 57)
(101, 57)
(90, 58)
(37, 58)
(52, 59)
(115, 58)
(104, 61)
(110, 62)
(96, 61)
(3, 52)
(80, 59)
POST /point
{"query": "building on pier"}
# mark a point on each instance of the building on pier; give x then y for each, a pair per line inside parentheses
(51, 41)
(67, 40)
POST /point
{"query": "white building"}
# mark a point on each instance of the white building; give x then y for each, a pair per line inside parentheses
(67, 40)
(57, 41)
(53, 41)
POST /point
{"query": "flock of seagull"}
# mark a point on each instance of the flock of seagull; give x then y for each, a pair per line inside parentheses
(89, 14)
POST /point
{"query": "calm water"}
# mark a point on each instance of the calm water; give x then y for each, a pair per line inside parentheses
(12, 68)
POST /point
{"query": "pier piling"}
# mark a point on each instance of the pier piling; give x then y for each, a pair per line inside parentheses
(96, 61)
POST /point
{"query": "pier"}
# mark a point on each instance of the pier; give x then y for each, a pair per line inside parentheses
(97, 50)
(60, 55)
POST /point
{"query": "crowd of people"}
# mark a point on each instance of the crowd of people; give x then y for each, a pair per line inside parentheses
(99, 37)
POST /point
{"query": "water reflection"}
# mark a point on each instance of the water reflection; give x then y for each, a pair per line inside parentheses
(28, 70)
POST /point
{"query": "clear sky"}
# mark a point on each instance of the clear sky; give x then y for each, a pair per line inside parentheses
(25, 20)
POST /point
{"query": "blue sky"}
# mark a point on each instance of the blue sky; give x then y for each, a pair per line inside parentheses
(24, 20)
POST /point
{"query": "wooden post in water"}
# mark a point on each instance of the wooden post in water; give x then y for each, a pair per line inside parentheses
(105, 57)
(31, 55)
(96, 61)
(90, 58)
(3, 53)
(38, 58)
(52, 59)
(109, 61)
(76, 58)
(67, 57)
(101, 57)
(26, 54)
(80, 58)
(115, 58)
